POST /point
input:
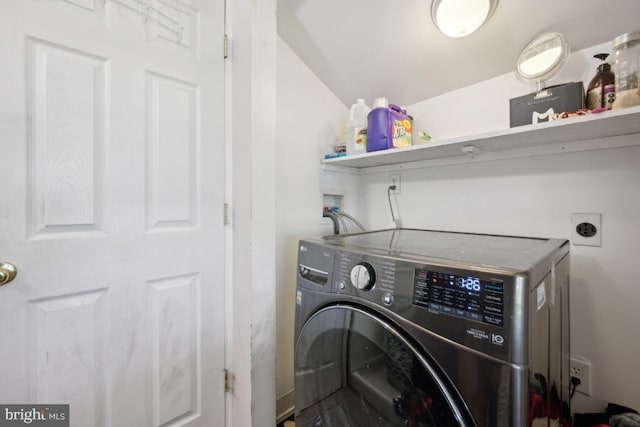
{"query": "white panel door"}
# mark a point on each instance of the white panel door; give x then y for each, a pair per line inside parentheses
(111, 170)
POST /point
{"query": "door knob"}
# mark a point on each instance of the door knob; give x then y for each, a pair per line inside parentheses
(7, 272)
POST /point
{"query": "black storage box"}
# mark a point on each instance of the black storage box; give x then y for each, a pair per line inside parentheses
(539, 106)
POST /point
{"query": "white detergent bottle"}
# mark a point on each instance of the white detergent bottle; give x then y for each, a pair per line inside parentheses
(357, 128)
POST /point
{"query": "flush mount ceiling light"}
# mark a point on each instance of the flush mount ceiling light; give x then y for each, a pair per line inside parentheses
(459, 18)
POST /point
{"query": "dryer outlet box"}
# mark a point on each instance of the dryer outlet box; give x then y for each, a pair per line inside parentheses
(586, 229)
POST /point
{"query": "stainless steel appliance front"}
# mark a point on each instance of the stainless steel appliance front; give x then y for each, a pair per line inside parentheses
(459, 330)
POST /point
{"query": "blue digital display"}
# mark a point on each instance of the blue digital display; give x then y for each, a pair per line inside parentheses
(460, 295)
(470, 283)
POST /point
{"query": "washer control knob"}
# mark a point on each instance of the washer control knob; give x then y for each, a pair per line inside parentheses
(363, 276)
(342, 285)
(387, 298)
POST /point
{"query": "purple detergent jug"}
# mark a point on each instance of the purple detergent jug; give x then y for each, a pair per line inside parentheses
(387, 127)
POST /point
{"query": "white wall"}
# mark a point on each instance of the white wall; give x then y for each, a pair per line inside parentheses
(309, 119)
(535, 197)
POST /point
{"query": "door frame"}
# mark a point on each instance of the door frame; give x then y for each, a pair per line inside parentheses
(250, 190)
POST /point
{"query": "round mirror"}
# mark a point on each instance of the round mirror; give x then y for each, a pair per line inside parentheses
(542, 58)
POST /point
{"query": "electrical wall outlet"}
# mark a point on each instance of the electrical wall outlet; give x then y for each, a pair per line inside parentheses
(394, 179)
(581, 368)
(586, 229)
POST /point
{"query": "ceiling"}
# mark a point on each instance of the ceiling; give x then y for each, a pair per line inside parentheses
(372, 48)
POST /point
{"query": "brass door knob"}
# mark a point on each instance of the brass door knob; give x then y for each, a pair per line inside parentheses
(8, 272)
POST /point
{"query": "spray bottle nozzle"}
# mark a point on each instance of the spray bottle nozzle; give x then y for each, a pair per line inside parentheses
(601, 56)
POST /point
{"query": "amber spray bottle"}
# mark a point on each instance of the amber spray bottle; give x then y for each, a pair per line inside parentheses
(602, 90)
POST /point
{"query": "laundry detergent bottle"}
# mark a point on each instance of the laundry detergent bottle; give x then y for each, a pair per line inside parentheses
(357, 128)
(377, 126)
(389, 126)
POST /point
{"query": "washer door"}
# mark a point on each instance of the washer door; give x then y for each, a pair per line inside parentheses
(355, 369)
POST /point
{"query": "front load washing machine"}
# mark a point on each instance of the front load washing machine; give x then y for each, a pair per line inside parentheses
(410, 327)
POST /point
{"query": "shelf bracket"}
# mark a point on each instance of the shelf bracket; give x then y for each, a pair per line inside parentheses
(340, 169)
(471, 150)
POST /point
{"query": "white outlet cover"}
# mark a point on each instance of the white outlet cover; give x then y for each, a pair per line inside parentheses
(593, 218)
(584, 366)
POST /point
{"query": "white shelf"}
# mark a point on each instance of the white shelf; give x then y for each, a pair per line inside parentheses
(583, 133)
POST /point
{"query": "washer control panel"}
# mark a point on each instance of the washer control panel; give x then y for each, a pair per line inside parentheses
(466, 296)
(373, 278)
(420, 291)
